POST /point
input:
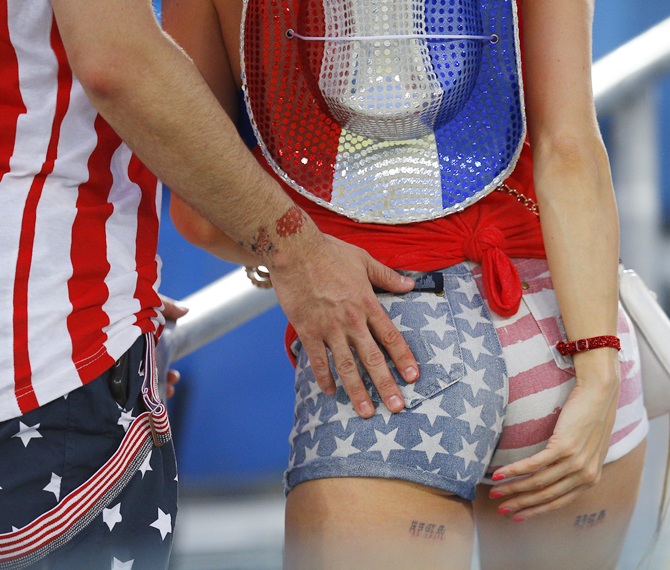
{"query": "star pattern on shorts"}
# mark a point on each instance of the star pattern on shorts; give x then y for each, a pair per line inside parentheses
(27, 433)
(467, 452)
(54, 486)
(450, 409)
(345, 412)
(345, 447)
(118, 565)
(430, 444)
(312, 453)
(312, 423)
(125, 419)
(386, 443)
(112, 516)
(397, 321)
(472, 416)
(163, 523)
(314, 391)
(473, 344)
(432, 409)
(436, 326)
(146, 464)
(477, 382)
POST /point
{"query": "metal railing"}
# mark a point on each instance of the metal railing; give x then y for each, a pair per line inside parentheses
(623, 85)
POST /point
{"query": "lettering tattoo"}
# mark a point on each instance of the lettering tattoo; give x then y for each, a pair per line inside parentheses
(427, 530)
(584, 522)
(291, 222)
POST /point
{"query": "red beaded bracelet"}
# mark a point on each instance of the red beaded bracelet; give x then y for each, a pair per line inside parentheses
(583, 344)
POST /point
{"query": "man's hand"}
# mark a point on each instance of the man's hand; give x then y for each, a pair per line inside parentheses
(171, 312)
(329, 300)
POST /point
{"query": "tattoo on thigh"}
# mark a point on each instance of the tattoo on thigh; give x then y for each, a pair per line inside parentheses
(427, 530)
(583, 522)
(291, 222)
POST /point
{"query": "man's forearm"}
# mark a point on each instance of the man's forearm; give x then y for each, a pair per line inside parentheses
(152, 95)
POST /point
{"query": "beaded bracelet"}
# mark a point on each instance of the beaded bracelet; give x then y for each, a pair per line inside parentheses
(584, 344)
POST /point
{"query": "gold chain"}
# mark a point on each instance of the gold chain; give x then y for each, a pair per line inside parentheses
(528, 203)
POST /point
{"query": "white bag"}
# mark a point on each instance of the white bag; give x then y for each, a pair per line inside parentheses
(652, 328)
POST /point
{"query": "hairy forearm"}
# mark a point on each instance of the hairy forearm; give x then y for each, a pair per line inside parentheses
(152, 95)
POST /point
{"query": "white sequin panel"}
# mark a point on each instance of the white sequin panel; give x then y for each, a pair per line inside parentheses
(381, 89)
(384, 183)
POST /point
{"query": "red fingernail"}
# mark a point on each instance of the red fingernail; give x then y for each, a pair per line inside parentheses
(497, 477)
(504, 511)
(495, 495)
(518, 519)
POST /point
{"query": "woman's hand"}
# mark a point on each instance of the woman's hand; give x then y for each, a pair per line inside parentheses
(573, 458)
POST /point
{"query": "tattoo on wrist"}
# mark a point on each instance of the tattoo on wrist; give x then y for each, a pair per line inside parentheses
(291, 222)
(261, 244)
(583, 522)
(427, 530)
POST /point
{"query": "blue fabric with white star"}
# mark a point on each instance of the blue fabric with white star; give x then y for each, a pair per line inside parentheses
(50, 451)
(446, 435)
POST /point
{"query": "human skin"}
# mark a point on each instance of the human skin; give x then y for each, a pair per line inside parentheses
(151, 94)
(581, 234)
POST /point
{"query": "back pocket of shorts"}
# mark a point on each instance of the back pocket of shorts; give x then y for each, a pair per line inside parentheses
(427, 324)
(541, 305)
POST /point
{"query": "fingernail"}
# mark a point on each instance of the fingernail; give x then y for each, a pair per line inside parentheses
(411, 374)
(495, 495)
(408, 281)
(518, 519)
(366, 409)
(395, 403)
(497, 477)
(504, 511)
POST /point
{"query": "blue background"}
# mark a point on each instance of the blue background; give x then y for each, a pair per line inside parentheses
(233, 411)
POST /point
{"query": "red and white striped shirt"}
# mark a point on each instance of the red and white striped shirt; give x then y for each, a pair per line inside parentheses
(79, 219)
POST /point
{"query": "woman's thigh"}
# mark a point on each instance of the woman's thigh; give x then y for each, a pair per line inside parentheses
(588, 534)
(345, 523)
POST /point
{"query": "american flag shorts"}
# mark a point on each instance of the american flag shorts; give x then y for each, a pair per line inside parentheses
(82, 485)
(490, 391)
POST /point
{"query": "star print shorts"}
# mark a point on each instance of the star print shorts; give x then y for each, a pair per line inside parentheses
(55, 470)
(490, 390)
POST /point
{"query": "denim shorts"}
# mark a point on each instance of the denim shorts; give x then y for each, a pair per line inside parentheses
(489, 393)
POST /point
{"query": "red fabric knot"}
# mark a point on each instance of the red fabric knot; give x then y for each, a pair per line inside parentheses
(481, 240)
(501, 278)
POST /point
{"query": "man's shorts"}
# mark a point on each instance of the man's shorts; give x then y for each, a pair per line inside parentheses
(54, 455)
(489, 394)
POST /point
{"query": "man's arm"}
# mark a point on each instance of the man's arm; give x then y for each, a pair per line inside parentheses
(152, 95)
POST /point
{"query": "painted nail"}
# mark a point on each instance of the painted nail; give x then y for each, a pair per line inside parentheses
(497, 477)
(504, 511)
(395, 403)
(518, 519)
(495, 495)
(411, 374)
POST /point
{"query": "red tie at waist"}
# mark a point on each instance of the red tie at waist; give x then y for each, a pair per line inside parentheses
(490, 233)
(486, 246)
